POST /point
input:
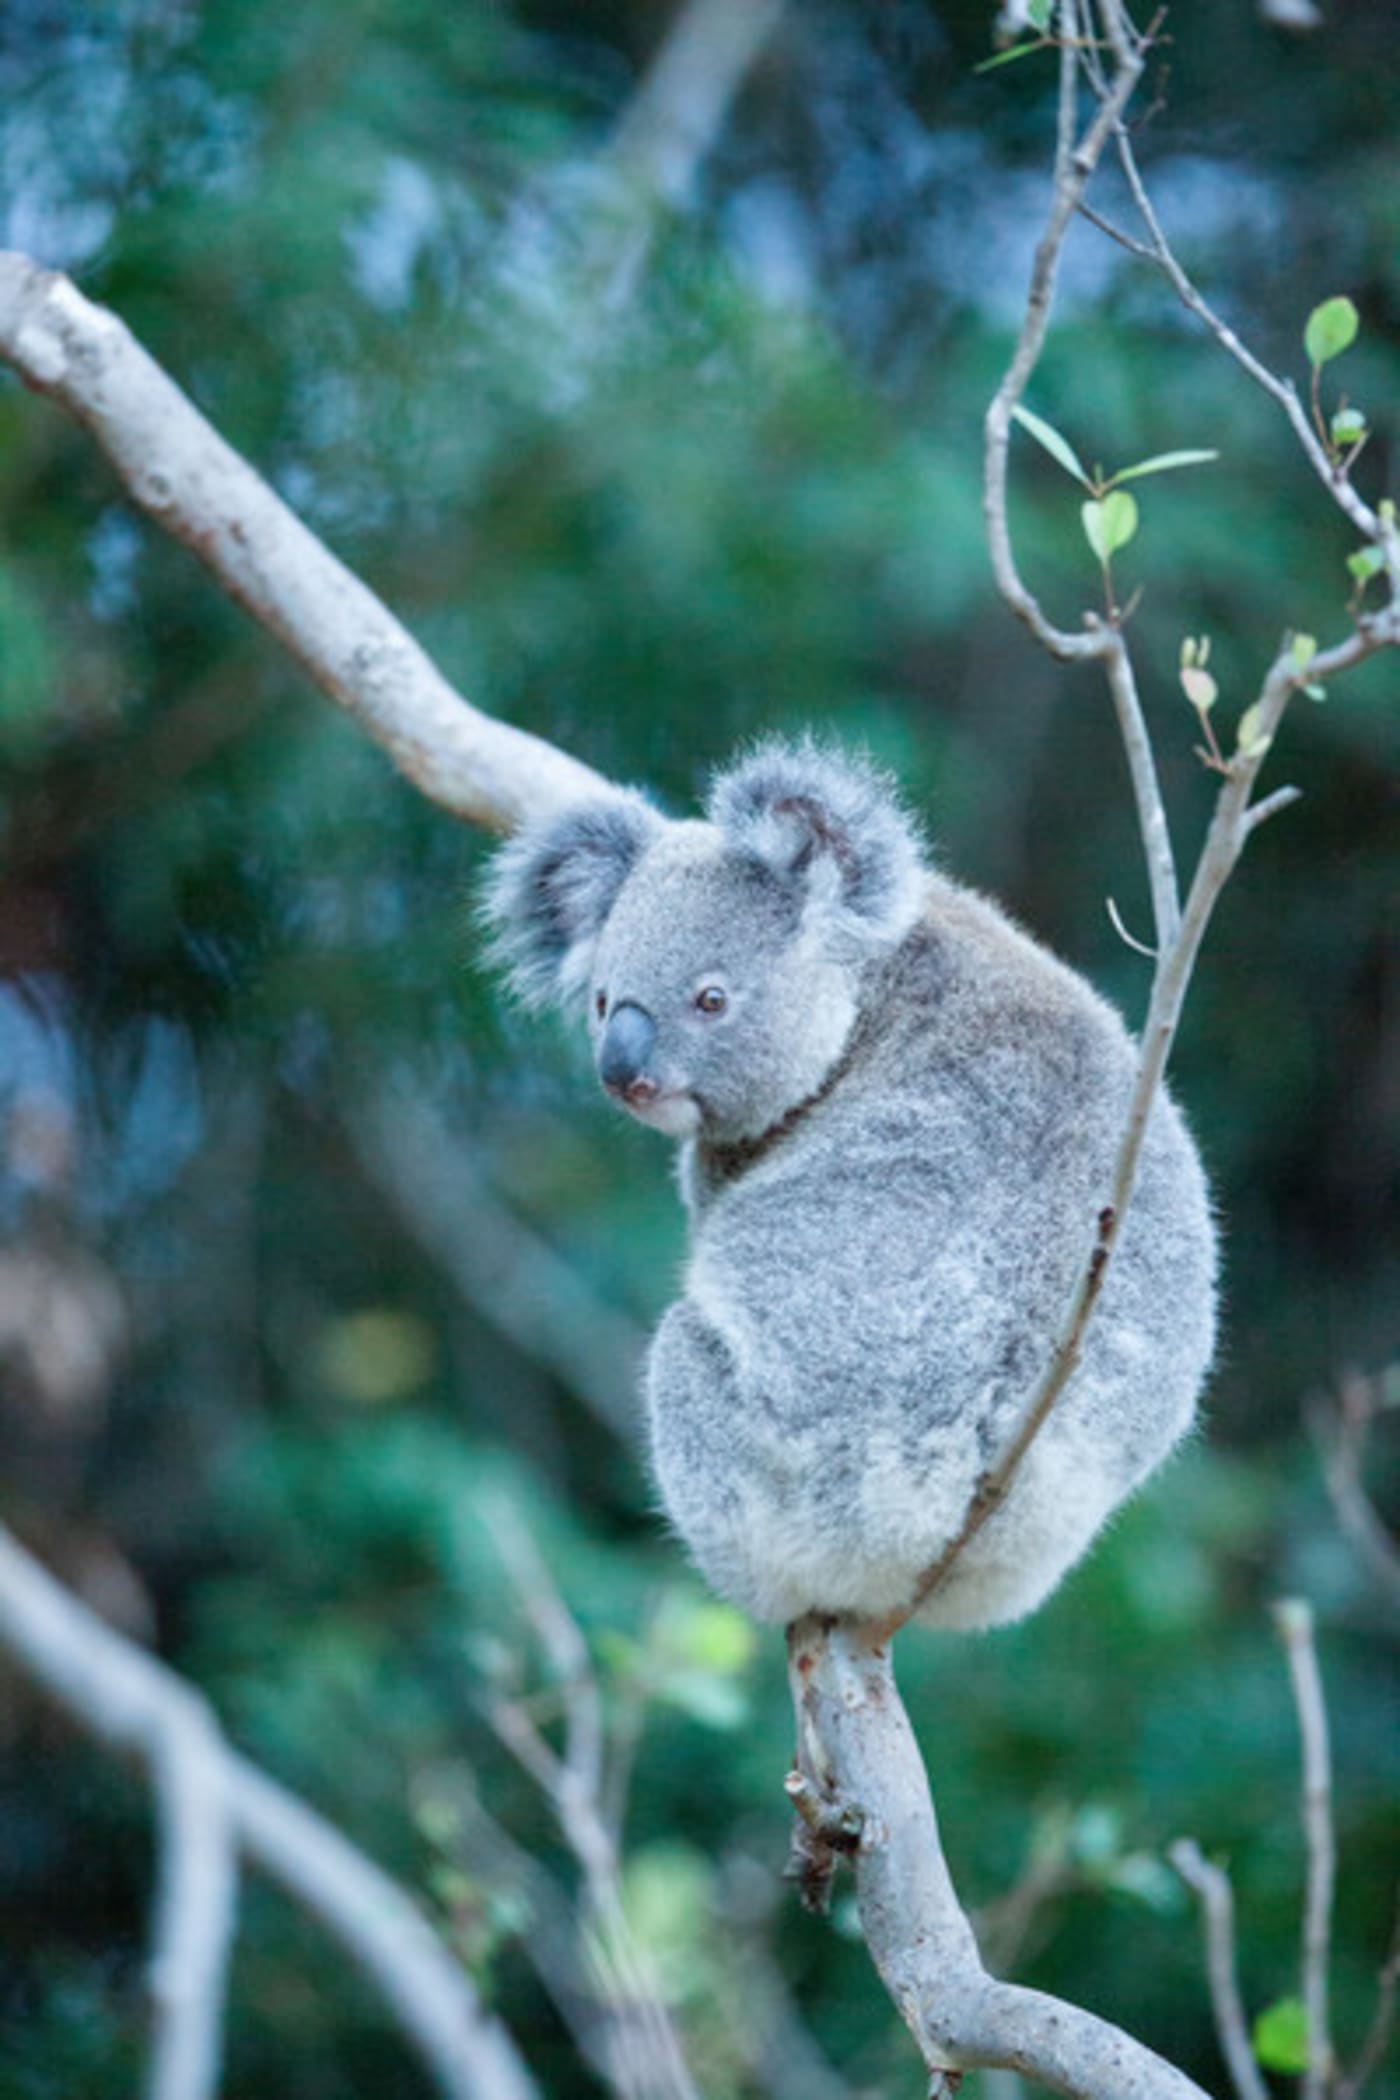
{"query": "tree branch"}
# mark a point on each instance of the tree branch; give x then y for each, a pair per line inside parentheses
(1294, 1620)
(863, 1777)
(197, 1902)
(644, 2054)
(1341, 1437)
(177, 467)
(1212, 1885)
(130, 1700)
(1157, 249)
(1074, 164)
(1382, 2021)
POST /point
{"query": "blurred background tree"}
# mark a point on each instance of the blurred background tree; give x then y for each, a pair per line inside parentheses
(276, 1160)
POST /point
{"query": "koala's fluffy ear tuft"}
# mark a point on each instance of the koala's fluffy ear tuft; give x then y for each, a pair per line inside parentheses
(831, 825)
(552, 886)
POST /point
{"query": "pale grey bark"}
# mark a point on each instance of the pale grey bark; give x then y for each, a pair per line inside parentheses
(178, 468)
(1294, 1620)
(866, 1795)
(1212, 1885)
(213, 1800)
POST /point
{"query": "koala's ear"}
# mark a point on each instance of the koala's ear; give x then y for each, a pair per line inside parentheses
(830, 825)
(552, 886)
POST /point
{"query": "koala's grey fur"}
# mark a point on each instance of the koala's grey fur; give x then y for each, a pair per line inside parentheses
(897, 1137)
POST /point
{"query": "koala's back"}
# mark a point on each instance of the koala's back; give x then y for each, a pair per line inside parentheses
(873, 1295)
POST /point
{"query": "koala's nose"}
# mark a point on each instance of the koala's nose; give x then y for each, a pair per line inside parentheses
(628, 1041)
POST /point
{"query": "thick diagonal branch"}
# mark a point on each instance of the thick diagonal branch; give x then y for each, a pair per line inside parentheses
(177, 467)
(858, 1759)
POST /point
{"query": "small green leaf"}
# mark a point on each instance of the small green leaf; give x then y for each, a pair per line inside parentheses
(1347, 426)
(1200, 688)
(1280, 2037)
(716, 1637)
(1039, 13)
(1331, 329)
(1248, 740)
(1162, 463)
(1059, 448)
(1365, 563)
(1109, 522)
(1008, 58)
(1304, 650)
(1315, 692)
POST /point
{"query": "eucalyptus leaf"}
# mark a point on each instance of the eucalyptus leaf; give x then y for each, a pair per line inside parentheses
(1331, 329)
(1058, 447)
(1365, 563)
(1008, 58)
(1109, 522)
(1280, 2036)
(1163, 463)
(1347, 426)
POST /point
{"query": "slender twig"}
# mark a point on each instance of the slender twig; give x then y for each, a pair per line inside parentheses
(1075, 161)
(465, 1832)
(1382, 2021)
(127, 1698)
(1341, 1437)
(1158, 250)
(1147, 792)
(1294, 1620)
(644, 2052)
(1212, 1885)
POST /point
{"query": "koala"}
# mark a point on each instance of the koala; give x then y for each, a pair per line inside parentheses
(898, 1116)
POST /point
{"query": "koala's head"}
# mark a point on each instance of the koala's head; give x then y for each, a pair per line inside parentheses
(719, 962)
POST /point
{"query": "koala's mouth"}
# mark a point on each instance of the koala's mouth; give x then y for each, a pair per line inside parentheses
(676, 1115)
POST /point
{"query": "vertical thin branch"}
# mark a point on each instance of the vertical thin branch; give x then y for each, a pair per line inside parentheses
(644, 2053)
(197, 1902)
(1294, 1620)
(676, 115)
(1153, 827)
(1212, 1885)
(1074, 164)
(1382, 2021)
(1341, 1435)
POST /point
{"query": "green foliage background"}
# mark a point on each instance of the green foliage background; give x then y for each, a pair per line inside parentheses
(372, 240)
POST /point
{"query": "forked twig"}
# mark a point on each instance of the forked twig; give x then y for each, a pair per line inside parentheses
(1294, 1620)
(1212, 1885)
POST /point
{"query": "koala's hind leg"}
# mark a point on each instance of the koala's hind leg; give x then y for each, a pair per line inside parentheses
(723, 1467)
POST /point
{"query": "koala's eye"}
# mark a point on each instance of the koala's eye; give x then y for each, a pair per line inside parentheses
(600, 1004)
(711, 1000)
